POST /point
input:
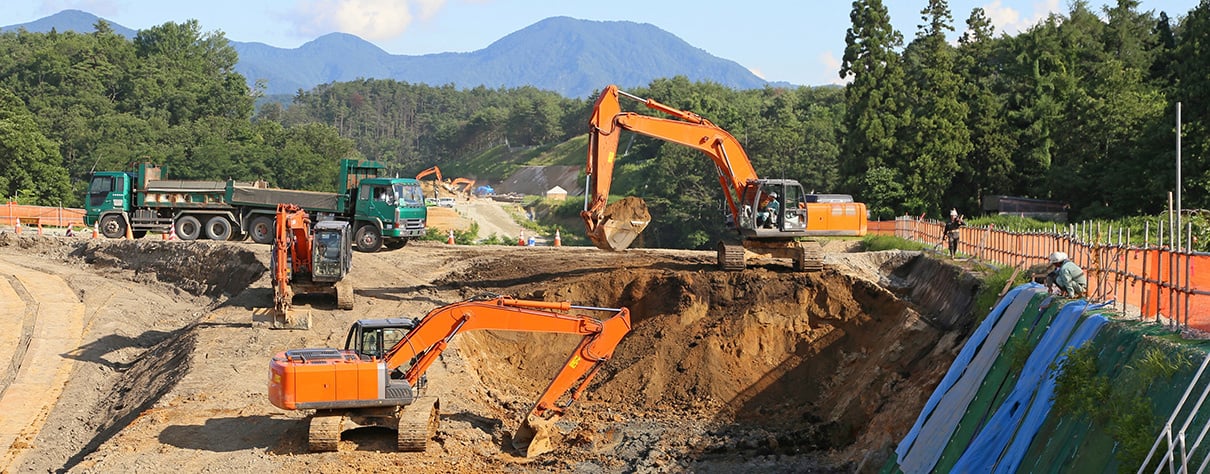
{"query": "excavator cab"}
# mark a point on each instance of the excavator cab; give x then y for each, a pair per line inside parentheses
(372, 338)
(332, 255)
(773, 208)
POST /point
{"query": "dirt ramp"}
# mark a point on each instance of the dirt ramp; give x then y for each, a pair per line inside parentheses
(766, 361)
(199, 268)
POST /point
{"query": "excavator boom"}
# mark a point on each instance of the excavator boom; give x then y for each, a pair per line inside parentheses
(615, 228)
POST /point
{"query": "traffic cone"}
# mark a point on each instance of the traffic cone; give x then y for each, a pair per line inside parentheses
(172, 233)
(39, 228)
(521, 240)
(129, 233)
(17, 227)
(558, 241)
(94, 231)
(450, 241)
(163, 236)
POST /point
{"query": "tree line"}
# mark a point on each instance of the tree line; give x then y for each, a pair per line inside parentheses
(1079, 108)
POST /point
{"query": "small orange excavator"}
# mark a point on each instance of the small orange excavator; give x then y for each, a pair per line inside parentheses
(468, 185)
(308, 259)
(378, 379)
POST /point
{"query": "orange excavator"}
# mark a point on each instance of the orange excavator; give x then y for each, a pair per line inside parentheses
(469, 185)
(434, 170)
(771, 216)
(308, 259)
(379, 377)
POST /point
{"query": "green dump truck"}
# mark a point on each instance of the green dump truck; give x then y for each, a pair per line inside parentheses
(381, 211)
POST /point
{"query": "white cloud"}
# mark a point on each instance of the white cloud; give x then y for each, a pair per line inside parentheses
(831, 66)
(1009, 20)
(369, 19)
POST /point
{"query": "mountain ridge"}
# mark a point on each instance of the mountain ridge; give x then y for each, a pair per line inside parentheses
(570, 56)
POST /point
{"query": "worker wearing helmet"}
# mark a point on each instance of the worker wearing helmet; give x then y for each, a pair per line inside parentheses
(951, 231)
(1067, 277)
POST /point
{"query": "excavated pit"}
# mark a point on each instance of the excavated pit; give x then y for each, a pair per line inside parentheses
(764, 370)
(792, 368)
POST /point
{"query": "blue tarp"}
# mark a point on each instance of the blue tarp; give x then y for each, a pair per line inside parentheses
(1010, 424)
(924, 443)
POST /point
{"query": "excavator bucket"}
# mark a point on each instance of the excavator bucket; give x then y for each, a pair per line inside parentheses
(536, 436)
(623, 222)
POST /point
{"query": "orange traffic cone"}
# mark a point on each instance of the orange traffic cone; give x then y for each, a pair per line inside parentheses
(172, 233)
(129, 233)
(17, 227)
(163, 236)
(39, 228)
(521, 240)
(94, 231)
(558, 241)
(450, 241)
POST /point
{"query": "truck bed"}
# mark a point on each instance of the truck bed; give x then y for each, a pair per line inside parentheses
(248, 195)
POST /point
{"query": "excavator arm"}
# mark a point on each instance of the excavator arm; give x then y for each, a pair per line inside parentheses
(291, 255)
(430, 171)
(735, 171)
(425, 343)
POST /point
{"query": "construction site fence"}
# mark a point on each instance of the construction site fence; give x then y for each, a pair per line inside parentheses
(13, 214)
(1153, 282)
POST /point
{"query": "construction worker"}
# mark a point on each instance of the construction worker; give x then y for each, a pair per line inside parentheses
(767, 217)
(951, 231)
(1066, 278)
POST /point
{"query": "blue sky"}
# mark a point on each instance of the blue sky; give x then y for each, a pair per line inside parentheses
(796, 41)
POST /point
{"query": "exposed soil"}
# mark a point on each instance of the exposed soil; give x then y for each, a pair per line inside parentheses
(764, 370)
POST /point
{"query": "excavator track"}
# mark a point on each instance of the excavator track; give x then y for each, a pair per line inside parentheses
(418, 424)
(730, 256)
(324, 434)
(810, 257)
(344, 294)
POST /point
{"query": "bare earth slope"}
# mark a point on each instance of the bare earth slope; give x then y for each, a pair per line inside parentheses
(762, 370)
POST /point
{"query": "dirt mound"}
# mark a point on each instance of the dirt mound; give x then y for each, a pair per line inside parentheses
(764, 363)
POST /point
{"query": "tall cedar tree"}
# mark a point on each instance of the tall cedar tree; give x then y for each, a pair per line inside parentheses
(932, 143)
(875, 108)
(988, 168)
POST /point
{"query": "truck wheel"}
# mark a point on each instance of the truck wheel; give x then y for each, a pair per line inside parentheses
(188, 228)
(113, 226)
(218, 228)
(395, 244)
(368, 238)
(262, 230)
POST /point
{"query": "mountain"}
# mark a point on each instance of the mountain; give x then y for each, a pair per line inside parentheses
(570, 56)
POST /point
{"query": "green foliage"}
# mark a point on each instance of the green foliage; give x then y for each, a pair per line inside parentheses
(993, 283)
(1120, 406)
(874, 243)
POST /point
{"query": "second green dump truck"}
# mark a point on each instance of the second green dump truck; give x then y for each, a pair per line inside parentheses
(381, 211)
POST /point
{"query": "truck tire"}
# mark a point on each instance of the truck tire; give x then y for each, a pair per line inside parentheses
(262, 230)
(368, 238)
(396, 244)
(188, 228)
(218, 228)
(112, 226)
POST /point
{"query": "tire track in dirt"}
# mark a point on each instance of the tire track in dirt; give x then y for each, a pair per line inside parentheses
(44, 367)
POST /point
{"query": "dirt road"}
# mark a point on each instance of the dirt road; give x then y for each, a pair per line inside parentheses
(761, 370)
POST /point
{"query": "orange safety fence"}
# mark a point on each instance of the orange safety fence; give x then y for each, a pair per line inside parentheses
(1153, 283)
(14, 213)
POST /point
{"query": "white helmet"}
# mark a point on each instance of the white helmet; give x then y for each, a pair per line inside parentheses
(1058, 257)
(953, 213)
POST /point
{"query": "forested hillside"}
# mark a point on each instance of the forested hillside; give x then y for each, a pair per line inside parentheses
(1080, 108)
